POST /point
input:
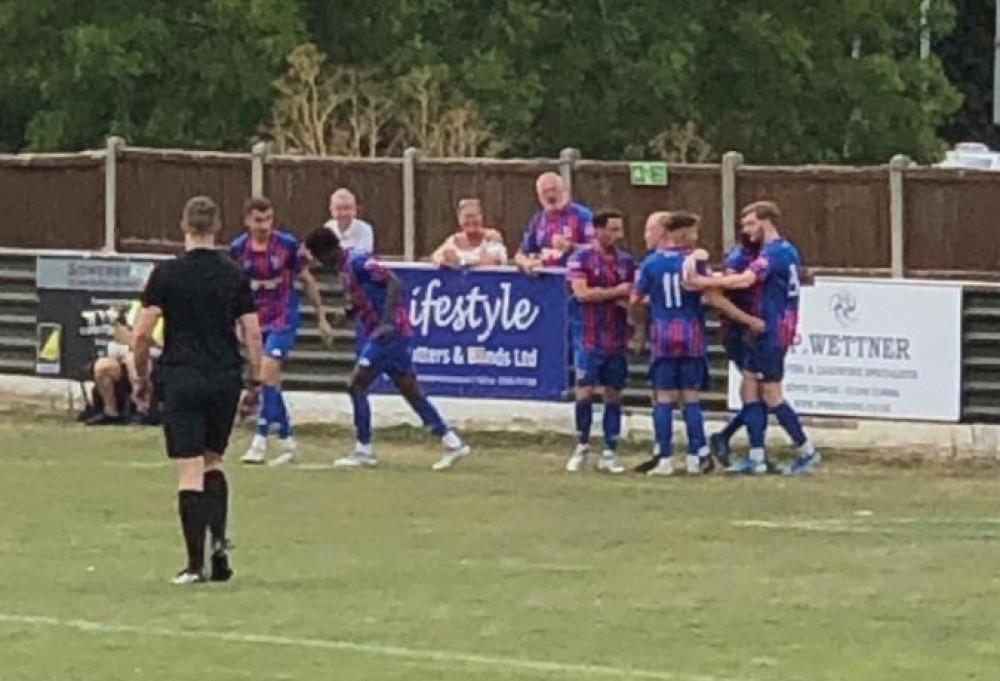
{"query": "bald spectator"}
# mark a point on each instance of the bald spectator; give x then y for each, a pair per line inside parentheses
(554, 231)
(354, 234)
(474, 245)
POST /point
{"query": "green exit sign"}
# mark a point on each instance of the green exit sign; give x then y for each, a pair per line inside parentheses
(648, 174)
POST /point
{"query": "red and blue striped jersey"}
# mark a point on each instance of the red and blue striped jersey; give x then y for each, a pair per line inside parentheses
(575, 222)
(273, 271)
(364, 281)
(600, 326)
(677, 326)
(738, 259)
(776, 292)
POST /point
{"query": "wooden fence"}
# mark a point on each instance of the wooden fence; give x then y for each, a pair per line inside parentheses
(840, 217)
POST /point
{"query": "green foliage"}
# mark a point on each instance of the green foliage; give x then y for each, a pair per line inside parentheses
(968, 61)
(779, 80)
(186, 73)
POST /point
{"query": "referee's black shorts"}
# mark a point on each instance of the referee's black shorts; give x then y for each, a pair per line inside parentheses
(198, 410)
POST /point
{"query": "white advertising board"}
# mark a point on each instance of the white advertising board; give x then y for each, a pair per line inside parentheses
(875, 349)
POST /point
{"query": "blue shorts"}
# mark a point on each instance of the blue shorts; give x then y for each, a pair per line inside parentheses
(767, 362)
(278, 344)
(595, 368)
(680, 373)
(391, 356)
(735, 347)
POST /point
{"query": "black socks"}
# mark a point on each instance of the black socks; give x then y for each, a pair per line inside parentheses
(194, 520)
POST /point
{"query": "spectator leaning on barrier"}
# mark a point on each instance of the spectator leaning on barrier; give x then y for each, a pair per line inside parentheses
(354, 234)
(554, 231)
(474, 245)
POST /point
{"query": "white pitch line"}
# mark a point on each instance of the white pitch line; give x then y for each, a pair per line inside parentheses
(835, 526)
(444, 657)
(520, 564)
(861, 526)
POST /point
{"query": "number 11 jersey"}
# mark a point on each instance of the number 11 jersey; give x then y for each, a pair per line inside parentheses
(677, 324)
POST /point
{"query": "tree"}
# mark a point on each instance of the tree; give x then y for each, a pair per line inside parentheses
(968, 61)
(326, 109)
(775, 79)
(778, 81)
(186, 73)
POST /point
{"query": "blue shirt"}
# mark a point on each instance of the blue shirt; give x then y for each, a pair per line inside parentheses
(272, 272)
(603, 325)
(738, 260)
(677, 328)
(364, 281)
(776, 291)
(575, 222)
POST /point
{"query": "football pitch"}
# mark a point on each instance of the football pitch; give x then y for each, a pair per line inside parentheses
(503, 568)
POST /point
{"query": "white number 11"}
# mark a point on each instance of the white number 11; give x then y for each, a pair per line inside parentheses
(672, 290)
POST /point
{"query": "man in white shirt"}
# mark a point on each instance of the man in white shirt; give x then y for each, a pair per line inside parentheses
(474, 245)
(354, 234)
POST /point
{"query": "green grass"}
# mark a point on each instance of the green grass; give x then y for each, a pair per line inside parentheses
(504, 568)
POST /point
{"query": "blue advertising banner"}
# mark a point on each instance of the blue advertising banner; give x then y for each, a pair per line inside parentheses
(487, 333)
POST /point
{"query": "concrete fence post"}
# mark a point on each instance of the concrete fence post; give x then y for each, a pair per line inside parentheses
(258, 153)
(897, 208)
(567, 159)
(114, 145)
(410, 157)
(731, 162)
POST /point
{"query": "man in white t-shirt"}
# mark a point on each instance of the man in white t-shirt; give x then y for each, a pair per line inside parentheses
(474, 245)
(354, 234)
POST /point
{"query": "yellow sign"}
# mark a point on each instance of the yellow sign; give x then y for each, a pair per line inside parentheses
(49, 351)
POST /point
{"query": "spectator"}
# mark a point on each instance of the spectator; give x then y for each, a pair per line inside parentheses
(553, 232)
(113, 403)
(354, 234)
(474, 245)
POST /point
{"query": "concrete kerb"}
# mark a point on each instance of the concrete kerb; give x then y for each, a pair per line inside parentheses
(892, 438)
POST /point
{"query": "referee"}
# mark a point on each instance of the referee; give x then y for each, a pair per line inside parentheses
(203, 297)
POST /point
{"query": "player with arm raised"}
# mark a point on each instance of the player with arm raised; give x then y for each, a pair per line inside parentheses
(600, 276)
(679, 364)
(274, 262)
(378, 303)
(776, 275)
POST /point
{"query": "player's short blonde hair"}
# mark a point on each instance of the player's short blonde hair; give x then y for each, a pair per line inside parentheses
(660, 218)
(763, 210)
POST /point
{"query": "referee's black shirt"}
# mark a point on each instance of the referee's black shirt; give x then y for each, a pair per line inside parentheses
(202, 294)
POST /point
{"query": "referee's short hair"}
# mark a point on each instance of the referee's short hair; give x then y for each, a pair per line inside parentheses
(201, 215)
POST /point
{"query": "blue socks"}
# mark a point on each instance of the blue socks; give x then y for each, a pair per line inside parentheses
(663, 427)
(756, 422)
(362, 418)
(695, 423)
(734, 425)
(584, 411)
(612, 425)
(430, 416)
(273, 411)
(789, 420)
(284, 423)
(584, 420)
(268, 409)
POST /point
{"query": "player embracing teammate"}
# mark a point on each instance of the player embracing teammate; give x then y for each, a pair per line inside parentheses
(758, 300)
(774, 279)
